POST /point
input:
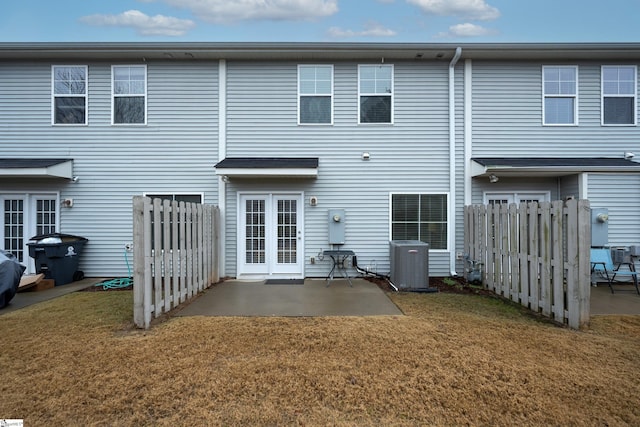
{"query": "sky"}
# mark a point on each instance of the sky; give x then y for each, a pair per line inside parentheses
(393, 21)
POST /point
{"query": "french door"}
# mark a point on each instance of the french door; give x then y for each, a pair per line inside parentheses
(24, 216)
(270, 235)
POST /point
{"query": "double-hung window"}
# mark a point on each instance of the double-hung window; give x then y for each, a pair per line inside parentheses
(315, 94)
(375, 91)
(69, 93)
(619, 92)
(420, 217)
(129, 86)
(560, 95)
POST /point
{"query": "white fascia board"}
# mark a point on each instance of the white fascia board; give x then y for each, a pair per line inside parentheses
(61, 170)
(267, 172)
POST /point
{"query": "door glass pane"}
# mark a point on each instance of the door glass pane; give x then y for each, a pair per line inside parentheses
(255, 232)
(14, 228)
(45, 216)
(287, 231)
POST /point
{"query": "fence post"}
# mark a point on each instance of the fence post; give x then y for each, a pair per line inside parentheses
(138, 262)
(579, 289)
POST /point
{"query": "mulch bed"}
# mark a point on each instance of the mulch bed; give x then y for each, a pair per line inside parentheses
(455, 285)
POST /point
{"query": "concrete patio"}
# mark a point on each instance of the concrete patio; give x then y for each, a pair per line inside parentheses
(314, 298)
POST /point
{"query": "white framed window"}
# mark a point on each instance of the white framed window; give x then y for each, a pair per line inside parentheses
(129, 94)
(180, 197)
(420, 216)
(315, 94)
(508, 197)
(375, 94)
(560, 95)
(619, 94)
(69, 94)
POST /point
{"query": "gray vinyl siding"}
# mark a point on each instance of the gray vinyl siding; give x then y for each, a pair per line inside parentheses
(174, 152)
(507, 115)
(569, 186)
(620, 193)
(409, 156)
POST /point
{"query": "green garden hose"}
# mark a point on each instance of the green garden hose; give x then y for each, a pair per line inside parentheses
(121, 282)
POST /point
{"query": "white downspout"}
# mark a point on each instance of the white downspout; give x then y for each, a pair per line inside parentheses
(452, 162)
(222, 153)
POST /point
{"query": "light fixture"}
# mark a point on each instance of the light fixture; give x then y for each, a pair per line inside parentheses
(225, 178)
(366, 155)
(629, 155)
(493, 178)
(75, 179)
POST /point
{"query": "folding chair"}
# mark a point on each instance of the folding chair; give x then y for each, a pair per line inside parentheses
(602, 264)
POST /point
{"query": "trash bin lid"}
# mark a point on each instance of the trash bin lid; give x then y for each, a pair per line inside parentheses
(54, 236)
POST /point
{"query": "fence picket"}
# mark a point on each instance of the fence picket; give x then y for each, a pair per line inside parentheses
(173, 254)
(535, 254)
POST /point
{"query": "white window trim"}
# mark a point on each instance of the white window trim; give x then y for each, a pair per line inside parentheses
(54, 96)
(516, 195)
(576, 120)
(392, 95)
(435, 193)
(175, 193)
(635, 96)
(113, 95)
(331, 93)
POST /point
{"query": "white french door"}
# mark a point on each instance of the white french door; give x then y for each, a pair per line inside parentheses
(24, 216)
(270, 235)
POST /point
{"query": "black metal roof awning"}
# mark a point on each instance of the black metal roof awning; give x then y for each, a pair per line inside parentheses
(36, 168)
(276, 167)
(549, 166)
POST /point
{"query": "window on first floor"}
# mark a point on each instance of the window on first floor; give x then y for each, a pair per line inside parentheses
(315, 94)
(420, 217)
(619, 95)
(187, 198)
(129, 90)
(375, 90)
(559, 93)
(506, 197)
(69, 93)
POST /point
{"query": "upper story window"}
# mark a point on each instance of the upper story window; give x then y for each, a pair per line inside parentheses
(619, 90)
(69, 94)
(315, 94)
(129, 86)
(420, 217)
(560, 93)
(375, 91)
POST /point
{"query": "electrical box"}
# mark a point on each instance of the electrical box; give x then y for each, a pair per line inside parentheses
(336, 227)
(409, 264)
(599, 226)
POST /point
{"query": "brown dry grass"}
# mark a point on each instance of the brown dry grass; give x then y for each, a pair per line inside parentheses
(452, 360)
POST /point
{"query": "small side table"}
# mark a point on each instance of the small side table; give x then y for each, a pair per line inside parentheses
(339, 257)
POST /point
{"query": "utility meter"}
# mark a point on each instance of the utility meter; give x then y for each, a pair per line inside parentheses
(336, 227)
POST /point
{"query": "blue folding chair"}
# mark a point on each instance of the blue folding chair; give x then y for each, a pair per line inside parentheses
(602, 264)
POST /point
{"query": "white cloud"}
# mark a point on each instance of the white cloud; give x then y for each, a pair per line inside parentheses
(145, 25)
(226, 11)
(372, 29)
(467, 30)
(466, 9)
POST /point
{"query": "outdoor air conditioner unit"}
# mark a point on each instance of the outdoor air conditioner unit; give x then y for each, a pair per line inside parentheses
(409, 264)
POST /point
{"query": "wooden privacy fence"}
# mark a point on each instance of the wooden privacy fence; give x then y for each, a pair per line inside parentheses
(535, 254)
(175, 254)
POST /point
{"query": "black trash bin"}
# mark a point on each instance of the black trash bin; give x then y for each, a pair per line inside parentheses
(57, 256)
